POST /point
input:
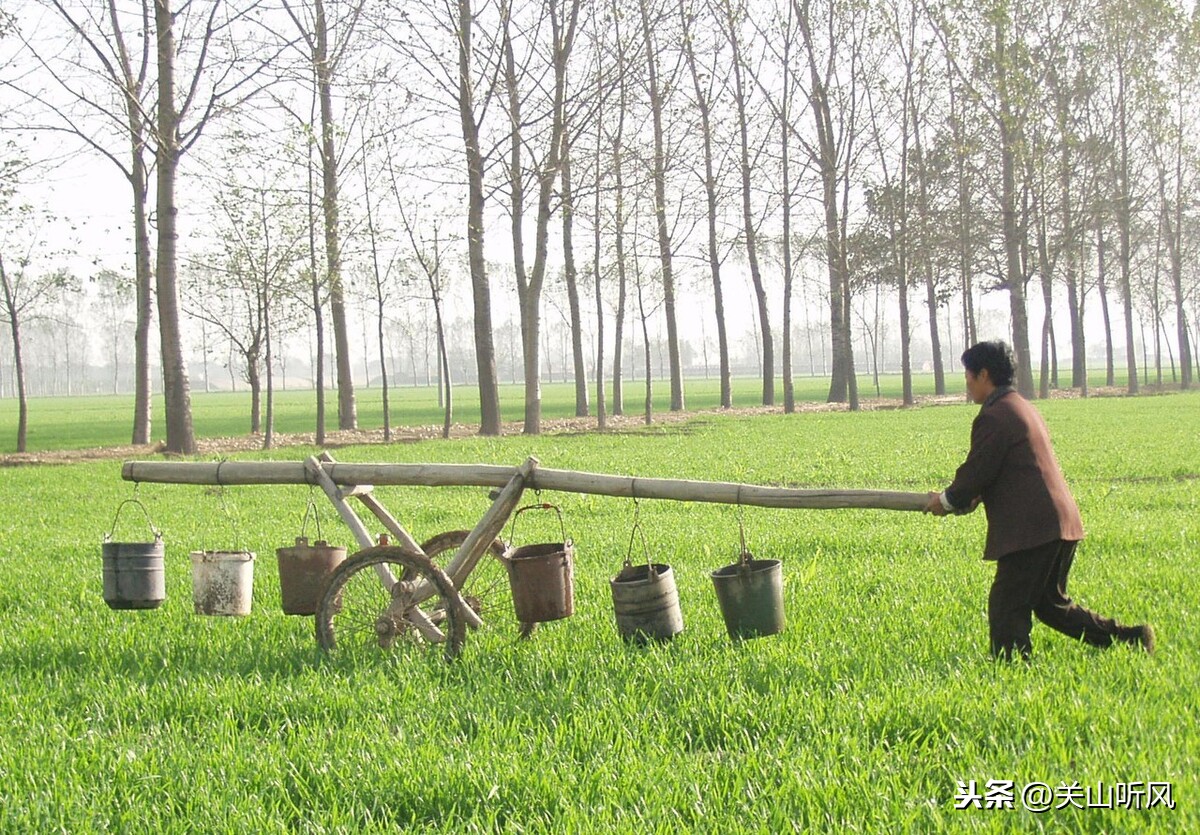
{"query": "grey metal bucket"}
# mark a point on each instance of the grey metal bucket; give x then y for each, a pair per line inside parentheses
(751, 596)
(646, 603)
(132, 572)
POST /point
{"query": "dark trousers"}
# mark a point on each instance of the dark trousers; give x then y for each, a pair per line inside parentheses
(1034, 582)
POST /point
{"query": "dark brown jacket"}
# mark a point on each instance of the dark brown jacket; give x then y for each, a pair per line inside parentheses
(1011, 467)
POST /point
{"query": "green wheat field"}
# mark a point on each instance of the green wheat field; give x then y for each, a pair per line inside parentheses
(873, 712)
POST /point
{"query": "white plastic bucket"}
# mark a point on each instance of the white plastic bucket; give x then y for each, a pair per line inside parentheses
(222, 582)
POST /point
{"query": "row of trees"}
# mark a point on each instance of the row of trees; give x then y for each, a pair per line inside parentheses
(935, 150)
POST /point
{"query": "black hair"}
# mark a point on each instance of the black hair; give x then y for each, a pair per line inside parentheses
(996, 357)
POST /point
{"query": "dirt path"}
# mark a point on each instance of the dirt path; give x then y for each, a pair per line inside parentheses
(410, 434)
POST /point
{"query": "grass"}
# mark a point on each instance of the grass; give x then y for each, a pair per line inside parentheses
(862, 717)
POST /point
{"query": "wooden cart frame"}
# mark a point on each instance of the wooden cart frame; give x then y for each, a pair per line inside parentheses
(419, 597)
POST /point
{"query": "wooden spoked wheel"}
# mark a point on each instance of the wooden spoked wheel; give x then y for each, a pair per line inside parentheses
(486, 588)
(359, 612)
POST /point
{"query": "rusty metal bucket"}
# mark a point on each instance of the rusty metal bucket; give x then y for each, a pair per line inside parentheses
(542, 576)
(133, 575)
(303, 570)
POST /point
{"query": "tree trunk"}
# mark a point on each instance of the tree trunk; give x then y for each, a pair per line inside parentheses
(618, 397)
(380, 300)
(142, 390)
(14, 322)
(710, 192)
(444, 359)
(347, 413)
(485, 354)
(1014, 278)
(748, 227)
(529, 290)
(601, 407)
(1124, 222)
(1185, 348)
(1173, 221)
(254, 378)
(1102, 286)
(1040, 221)
(964, 227)
(569, 274)
(931, 298)
(648, 405)
(19, 374)
(904, 259)
(789, 389)
(177, 395)
(659, 175)
(1069, 235)
(318, 317)
(841, 384)
(269, 431)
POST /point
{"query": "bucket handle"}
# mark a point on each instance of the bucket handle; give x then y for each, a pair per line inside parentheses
(540, 506)
(744, 556)
(636, 530)
(157, 533)
(311, 509)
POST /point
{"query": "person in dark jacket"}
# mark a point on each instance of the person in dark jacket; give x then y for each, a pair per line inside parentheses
(1033, 522)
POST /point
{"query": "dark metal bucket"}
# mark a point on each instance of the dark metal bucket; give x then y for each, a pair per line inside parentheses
(303, 570)
(751, 596)
(133, 576)
(646, 603)
(542, 578)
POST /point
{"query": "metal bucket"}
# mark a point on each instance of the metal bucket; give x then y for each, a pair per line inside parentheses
(646, 603)
(542, 578)
(133, 574)
(222, 582)
(751, 596)
(303, 570)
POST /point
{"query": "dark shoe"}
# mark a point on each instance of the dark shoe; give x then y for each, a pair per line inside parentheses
(1141, 635)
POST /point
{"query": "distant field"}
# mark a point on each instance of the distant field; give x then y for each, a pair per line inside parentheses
(865, 715)
(96, 421)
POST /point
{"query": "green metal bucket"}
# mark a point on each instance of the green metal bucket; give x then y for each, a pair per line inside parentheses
(751, 596)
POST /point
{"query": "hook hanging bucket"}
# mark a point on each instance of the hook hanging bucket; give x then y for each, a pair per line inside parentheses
(750, 593)
(645, 600)
(542, 577)
(133, 576)
(303, 570)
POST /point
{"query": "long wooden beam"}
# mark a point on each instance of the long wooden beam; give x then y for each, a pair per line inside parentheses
(492, 475)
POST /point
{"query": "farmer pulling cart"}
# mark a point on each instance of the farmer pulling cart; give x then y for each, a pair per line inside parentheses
(392, 589)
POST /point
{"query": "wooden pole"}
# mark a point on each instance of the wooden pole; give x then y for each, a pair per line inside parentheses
(491, 475)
